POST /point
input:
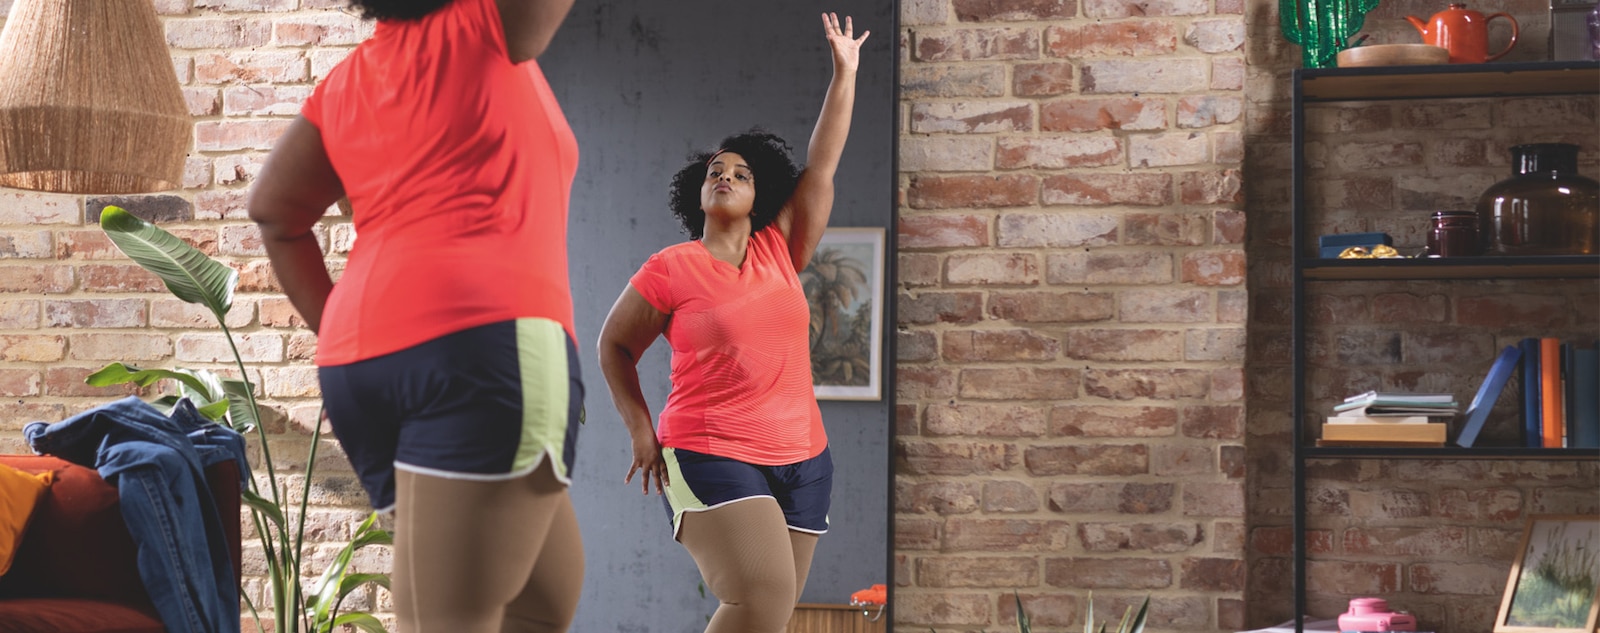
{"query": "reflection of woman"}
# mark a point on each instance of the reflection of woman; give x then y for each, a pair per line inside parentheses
(445, 352)
(740, 453)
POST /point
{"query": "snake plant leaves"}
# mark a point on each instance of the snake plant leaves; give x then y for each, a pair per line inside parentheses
(188, 273)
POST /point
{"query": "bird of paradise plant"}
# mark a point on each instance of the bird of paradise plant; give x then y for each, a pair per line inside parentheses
(195, 278)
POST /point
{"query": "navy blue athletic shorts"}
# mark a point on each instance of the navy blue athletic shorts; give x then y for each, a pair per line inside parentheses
(700, 482)
(487, 403)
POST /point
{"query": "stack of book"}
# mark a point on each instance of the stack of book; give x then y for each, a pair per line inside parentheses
(1560, 393)
(1378, 418)
(1560, 383)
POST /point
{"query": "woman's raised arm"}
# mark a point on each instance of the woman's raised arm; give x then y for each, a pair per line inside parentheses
(805, 216)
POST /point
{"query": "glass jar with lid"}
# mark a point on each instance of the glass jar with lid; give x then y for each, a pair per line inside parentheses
(1544, 208)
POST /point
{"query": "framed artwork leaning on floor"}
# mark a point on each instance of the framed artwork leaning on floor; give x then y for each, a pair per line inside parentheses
(1555, 581)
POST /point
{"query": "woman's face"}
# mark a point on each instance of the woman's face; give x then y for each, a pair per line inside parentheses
(729, 191)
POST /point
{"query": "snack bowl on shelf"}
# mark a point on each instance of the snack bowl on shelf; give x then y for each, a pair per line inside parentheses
(1392, 55)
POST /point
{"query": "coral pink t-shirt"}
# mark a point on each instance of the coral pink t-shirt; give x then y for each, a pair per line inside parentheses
(458, 165)
(741, 361)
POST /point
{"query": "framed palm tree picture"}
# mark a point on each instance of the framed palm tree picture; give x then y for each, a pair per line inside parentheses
(844, 286)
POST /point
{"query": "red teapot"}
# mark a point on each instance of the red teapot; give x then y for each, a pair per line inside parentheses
(1463, 32)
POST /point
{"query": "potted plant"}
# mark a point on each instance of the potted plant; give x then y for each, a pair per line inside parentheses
(195, 278)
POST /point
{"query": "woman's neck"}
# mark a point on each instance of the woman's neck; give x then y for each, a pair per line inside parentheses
(727, 241)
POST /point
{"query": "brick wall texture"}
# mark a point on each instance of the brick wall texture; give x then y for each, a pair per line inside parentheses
(1072, 312)
(1092, 338)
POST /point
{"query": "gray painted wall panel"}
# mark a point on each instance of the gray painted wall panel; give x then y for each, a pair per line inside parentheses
(643, 82)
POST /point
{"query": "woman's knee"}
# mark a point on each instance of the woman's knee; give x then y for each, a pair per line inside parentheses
(757, 609)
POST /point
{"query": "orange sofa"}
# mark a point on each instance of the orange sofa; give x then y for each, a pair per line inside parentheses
(75, 570)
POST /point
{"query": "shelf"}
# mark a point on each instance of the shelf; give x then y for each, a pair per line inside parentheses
(1524, 79)
(1577, 79)
(1549, 267)
(1507, 452)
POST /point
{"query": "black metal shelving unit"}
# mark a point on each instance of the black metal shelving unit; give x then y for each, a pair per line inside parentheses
(1454, 81)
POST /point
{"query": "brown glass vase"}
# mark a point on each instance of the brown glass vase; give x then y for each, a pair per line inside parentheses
(1544, 208)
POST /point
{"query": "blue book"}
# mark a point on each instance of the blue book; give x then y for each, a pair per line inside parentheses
(1477, 412)
(1583, 415)
(1532, 403)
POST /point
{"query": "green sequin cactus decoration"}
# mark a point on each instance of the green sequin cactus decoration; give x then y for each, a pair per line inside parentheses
(1322, 27)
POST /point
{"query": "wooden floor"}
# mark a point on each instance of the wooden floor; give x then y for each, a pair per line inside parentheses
(832, 618)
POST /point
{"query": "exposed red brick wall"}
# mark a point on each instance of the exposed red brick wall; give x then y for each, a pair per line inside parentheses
(1072, 311)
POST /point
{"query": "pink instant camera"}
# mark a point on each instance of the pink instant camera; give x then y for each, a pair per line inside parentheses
(1373, 614)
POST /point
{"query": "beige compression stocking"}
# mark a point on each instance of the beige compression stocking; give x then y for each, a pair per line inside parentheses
(751, 561)
(485, 556)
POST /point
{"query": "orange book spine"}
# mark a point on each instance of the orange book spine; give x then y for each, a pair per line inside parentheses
(1554, 423)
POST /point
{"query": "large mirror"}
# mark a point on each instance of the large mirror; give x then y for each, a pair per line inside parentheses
(644, 82)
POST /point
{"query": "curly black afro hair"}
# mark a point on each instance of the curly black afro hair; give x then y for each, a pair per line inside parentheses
(775, 176)
(396, 9)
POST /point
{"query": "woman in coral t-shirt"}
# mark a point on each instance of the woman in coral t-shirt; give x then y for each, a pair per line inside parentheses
(446, 352)
(740, 452)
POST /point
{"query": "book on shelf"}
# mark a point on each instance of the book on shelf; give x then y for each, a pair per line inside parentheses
(1552, 423)
(1378, 403)
(1376, 410)
(1401, 397)
(1560, 393)
(1428, 432)
(1349, 417)
(1478, 411)
(1378, 444)
(1532, 428)
(1584, 431)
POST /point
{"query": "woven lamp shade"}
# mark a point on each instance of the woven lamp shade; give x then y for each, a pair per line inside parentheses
(89, 100)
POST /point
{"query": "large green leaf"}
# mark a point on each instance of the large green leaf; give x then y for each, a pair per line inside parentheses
(188, 273)
(361, 621)
(119, 374)
(374, 537)
(214, 411)
(241, 416)
(351, 582)
(265, 507)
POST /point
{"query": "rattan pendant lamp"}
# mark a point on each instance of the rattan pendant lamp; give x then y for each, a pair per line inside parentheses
(89, 100)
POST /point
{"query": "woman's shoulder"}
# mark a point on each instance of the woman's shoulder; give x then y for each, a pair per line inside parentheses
(674, 255)
(681, 249)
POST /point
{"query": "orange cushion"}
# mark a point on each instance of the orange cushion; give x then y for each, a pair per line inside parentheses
(56, 615)
(19, 494)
